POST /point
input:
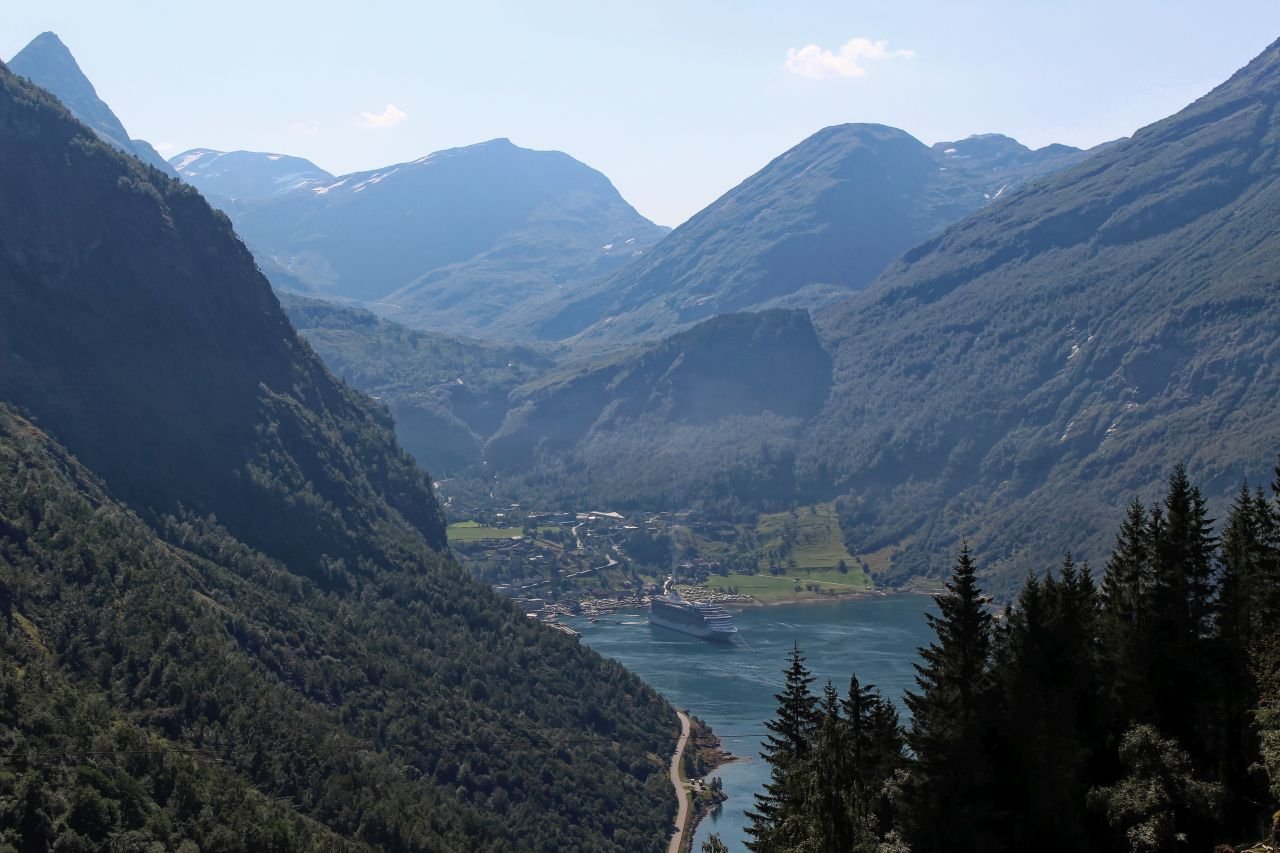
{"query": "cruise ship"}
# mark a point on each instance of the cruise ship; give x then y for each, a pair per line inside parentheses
(706, 621)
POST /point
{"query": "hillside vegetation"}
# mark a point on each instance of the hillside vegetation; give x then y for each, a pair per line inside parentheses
(1019, 378)
(228, 614)
(714, 412)
(448, 395)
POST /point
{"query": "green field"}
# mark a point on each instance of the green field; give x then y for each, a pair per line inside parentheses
(471, 531)
(812, 585)
(802, 548)
(805, 539)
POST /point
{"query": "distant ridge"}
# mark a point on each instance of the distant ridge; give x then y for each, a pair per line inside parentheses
(474, 240)
(818, 222)
(48, 63)
(243, 175)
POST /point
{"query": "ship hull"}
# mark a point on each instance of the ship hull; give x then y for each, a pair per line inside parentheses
(699, 631)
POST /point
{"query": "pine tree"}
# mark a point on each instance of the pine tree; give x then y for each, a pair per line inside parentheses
(874, 743)
(827, 813)
(1179, 648)
(1244, 561)
(947, 796)
(714, 845)
(1049, 721)
(786, 746)
(1125, 583)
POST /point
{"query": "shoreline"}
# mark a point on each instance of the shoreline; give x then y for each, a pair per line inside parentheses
(640, 611)
(702, 810)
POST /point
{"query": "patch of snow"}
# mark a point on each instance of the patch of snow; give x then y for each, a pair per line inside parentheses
(323, 190)
(1066, 433)
(1075, 351)
(631, 240)
(949, 151)
(1115, 425)
(608, 247)
(189, 159)
(273, 156)
(1000, 192)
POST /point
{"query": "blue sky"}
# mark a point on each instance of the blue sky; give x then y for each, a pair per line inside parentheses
(675, 101)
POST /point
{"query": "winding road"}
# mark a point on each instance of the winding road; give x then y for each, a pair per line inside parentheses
(682, 792)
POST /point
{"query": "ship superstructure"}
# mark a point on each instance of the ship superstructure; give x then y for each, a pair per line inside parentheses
(706, 621)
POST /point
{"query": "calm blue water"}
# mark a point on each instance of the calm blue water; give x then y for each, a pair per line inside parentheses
(732, 687)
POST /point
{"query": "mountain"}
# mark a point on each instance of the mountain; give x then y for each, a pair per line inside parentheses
(468, 241)
(447, 395)
(221, 575)
(817, 223)
(715, 411)
(48, 63)
(237, 175)
(1016, 379)
(1019, 378)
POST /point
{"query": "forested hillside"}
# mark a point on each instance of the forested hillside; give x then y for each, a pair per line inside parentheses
(447, 395)
(714, 413)
(1019, 377)
(245, 634)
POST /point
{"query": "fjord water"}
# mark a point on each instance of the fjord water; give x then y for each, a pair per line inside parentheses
(732, 686)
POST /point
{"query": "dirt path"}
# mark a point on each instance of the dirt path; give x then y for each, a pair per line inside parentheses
(682, 793)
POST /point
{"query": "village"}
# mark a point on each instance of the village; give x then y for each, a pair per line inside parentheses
(589, 563)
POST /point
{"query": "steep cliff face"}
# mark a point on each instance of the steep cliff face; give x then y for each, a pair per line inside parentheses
(141, 333)
(48, 63)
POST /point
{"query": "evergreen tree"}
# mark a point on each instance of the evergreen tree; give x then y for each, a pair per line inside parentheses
(1246, 560)
(947, 802)
(828, 815)
(1049, 720)
(874, 744)
(1180, 601)
(1125, 583)
(786, 746)
(714, 845)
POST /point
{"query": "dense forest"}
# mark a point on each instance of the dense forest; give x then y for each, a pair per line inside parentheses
(229, 618)
(1137, 713)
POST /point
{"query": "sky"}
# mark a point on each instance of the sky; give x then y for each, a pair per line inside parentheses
(676, 102)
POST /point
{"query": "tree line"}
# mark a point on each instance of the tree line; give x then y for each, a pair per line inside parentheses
(1138, 713)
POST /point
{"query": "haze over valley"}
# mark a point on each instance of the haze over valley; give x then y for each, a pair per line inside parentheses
(341, 510)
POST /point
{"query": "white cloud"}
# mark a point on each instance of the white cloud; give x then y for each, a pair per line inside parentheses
(389, 117)
(307, 128)
(849, 61)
